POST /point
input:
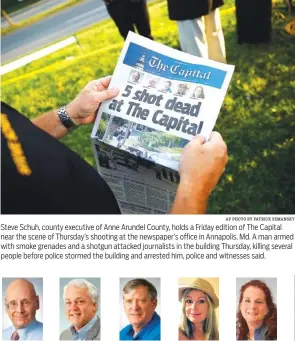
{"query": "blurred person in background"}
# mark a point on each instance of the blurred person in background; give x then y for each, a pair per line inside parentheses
(253, 21)
(128, 15)
(199, 27)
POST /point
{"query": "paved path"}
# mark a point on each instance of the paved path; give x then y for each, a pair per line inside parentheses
(29, 11)
(47, 31)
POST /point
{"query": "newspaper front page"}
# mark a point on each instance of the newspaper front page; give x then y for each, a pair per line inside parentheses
(166, 97)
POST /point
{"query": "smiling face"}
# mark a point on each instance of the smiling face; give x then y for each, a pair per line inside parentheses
(21, 303)
(79, 307)
(196, 306)
(253, 306)
(139, 307)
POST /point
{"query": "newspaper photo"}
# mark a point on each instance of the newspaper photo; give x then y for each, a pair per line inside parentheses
(166, 97)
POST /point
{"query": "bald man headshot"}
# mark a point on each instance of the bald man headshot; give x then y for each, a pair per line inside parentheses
(21, 304)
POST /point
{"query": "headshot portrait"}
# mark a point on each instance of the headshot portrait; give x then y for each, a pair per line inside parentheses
(135, 77)
(198, 93)
(256, 309)
(167, 87)
(79, 313)
(151, 82)
(22, 300)
(199, 308)
(181, 89)
(140, 318)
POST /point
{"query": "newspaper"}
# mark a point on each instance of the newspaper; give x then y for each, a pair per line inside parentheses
(166, 97)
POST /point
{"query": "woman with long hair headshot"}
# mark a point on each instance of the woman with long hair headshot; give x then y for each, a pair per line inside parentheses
(198, 316)
(198, 93)
(257, 313)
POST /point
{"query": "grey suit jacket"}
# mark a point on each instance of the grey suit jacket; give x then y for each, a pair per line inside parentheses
(93, 333)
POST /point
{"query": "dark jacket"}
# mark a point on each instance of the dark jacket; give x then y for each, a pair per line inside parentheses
(191, 9)
(45, 177)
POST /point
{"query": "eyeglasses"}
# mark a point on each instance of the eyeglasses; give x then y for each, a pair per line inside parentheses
(13, 305)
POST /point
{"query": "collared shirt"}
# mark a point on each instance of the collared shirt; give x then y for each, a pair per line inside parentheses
(34, 331)
(152, 331)
(82, 333)
(260, 333)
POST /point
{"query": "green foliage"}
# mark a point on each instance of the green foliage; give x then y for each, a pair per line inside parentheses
(155, 140)
(256, 120)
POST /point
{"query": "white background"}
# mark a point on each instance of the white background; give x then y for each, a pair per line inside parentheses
(279, 264)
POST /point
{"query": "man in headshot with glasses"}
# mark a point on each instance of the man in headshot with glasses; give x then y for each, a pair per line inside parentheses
(21, 304)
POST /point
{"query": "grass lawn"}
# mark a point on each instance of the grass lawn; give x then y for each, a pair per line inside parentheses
(256, 120)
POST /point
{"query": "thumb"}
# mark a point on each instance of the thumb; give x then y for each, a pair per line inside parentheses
(198, 140)
(102, 96)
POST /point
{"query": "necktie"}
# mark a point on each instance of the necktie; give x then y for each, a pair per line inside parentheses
(15, 336)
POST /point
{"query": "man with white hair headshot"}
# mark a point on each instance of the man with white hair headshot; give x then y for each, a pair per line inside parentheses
(80, 298)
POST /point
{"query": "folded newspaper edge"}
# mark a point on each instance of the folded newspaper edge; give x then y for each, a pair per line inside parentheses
(163, 102)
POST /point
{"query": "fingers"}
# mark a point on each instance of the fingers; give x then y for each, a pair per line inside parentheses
(102, 91)
(106, 94)
(106, 81)
(215, 137)
(102, 83)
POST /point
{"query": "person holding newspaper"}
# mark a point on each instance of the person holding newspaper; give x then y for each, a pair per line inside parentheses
(40, 175)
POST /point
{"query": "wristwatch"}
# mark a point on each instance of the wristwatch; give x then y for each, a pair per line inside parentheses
(65, 119)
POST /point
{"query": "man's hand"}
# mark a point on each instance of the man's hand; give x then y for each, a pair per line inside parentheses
(83, 108)
(201, 165)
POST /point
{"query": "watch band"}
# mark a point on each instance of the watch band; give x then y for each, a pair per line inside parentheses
(65, 119)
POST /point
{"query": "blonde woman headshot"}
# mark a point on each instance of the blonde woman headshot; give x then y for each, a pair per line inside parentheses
(198, 309)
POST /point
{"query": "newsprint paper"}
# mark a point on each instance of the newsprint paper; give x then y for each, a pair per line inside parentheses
(166, 97)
